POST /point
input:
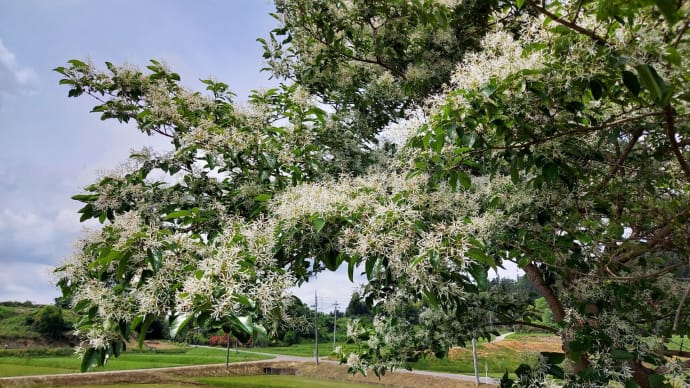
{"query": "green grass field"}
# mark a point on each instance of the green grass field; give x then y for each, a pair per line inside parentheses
(301, 350)
(245, 382)
(527, 336)
(25, 366)
(277, 381)
(497, 363)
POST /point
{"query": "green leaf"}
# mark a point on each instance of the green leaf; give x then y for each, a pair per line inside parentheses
(118, 347)
(556, 371)
(668, 9)
(179, 323)
(652, 81)
(318, 223)
(76, 63)
(519, 3)
(657, 381)
(597, 88)
(506, 382)
(465, 179)
(148, 320)
(439, 140)
(262, 197)
(351, 269)
(245, 300)
(550, 172)
(622, 355)
(89, 359)
(631, 82)
(514, 173)
(243, 324)
(480, 275)
(369, 267)
(178, 214)
(673, 56)
(553, 358)
(479, 255)
(430, 298)
(155, 258)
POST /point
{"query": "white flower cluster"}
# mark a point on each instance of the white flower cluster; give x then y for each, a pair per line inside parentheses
(501, 55)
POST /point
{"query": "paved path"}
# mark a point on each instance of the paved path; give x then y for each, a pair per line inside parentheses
(501, 337)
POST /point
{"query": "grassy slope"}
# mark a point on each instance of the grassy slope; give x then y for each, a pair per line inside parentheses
(13, 323)
(16, 330)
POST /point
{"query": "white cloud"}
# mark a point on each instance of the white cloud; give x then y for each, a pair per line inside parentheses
(27, 282)
(30, 236)
(330, 287)
(14, 79)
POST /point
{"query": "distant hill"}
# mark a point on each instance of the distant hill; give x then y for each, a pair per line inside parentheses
(24, 324)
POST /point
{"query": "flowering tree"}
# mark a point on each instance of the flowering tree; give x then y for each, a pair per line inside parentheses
(558, 142)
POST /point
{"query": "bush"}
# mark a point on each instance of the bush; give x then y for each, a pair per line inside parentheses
(290, 338)
(196, 338)
(49, 322)
(218, 340)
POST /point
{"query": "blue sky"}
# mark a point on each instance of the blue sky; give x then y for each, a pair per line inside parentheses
(52, 146)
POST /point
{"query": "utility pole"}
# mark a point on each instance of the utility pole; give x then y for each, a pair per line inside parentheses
(316, 328)
(335, 320)
(474, 358)
(227, 351)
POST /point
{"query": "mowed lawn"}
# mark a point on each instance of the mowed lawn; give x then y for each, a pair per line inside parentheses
(494, 359)
(300, 350)
(245, 382)
(25, 366)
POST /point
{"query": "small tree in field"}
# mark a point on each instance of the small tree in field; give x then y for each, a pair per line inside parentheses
(49, 321)
(459, 135)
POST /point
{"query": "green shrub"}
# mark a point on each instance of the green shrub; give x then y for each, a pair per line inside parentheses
(49, 322)
(36, 352)
(290, 338)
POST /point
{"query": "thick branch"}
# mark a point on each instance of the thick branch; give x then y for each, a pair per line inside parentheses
(535, 275)
(671, 131)
(677, 353)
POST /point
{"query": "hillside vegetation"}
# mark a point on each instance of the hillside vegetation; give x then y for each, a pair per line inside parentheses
(24, 324)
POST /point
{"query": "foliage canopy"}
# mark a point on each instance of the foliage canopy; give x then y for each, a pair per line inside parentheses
(553, 135)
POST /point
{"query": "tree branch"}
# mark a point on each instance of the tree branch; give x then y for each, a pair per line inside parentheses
(623, 156)
(680, 305)
(576, 131)
(677, 353)
(671, 131)
(542, 9)
(617, 278)
(535, 275)
(681, 33)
